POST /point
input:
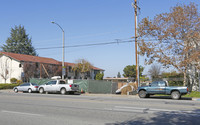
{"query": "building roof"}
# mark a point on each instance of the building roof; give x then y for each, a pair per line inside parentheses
(73, 64)
(95, 68)
(124, 78)
(30, 58)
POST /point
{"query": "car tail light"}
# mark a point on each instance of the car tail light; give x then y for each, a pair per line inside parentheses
(36, 86)
(70, 85)
(187, 89)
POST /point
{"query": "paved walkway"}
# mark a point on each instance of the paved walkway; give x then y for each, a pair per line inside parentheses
(89, 94)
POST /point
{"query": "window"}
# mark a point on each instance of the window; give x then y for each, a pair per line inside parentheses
(70, 69)
(62, 82)
(154, 84)
(34, 84)
(161, 83)
(51, 83)
(25, 84)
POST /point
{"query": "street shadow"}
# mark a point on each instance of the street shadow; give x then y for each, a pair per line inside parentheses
(165, 118)
(58, 93)
(168, 97)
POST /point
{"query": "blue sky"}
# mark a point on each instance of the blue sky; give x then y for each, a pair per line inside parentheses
(84, 22)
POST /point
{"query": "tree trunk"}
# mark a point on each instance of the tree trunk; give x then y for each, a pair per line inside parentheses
(185, 79)
(83, 75)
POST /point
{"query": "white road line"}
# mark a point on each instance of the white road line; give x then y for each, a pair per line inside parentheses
(130, 107)
(21, 113)
(146, 109)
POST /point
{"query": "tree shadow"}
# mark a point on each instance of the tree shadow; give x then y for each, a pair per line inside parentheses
(165, 118)
(168, 97)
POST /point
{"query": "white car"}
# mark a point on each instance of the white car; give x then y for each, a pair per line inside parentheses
(58, 86)
(26, 87)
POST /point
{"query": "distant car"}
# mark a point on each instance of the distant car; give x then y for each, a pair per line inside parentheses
(26, 87)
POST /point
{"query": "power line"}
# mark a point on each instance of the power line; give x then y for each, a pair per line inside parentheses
(84, 45)
(118, 41)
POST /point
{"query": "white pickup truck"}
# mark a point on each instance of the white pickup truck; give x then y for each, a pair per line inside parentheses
(58, 86)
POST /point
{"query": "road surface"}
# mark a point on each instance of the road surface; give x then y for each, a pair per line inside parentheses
(96, 109)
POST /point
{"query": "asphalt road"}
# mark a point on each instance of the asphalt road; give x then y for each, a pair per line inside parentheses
(56, 109)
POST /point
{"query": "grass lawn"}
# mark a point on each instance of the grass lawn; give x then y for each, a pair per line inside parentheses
(194, 94)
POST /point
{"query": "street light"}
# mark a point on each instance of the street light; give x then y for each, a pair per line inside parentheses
(63, 53)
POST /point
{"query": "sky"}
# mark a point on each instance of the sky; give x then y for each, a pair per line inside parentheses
(84, 22)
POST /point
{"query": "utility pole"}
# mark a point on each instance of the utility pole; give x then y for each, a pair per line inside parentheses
(63, 52)
(136, 55)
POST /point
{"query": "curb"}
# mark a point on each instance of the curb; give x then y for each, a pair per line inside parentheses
(6, 90)
(195, 99)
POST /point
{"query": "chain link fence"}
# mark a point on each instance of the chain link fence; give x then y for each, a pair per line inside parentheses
(88, 86)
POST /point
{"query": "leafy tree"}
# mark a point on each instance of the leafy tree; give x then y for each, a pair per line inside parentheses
(19, 42)
(144, 78)
(174, 38)
(99, 76)
(174, 78)
(155, 71)
(130, 71)
(118, 75)
(172, 74)
(82, 66)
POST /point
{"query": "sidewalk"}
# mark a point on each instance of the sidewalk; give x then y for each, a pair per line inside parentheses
(7, 90)
(100, 95)
(196, 99)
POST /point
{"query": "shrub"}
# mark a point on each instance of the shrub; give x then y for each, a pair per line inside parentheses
(19, 82)
(13, 80)
(99, 76)
(8, 86)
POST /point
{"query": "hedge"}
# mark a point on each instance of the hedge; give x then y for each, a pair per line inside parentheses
(8, 86)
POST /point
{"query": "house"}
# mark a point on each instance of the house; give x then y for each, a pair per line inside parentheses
(23, 67)
(74, 75)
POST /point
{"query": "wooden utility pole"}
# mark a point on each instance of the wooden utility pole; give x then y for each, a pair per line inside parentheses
(136, 56)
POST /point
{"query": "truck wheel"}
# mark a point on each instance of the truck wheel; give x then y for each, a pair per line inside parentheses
(41, 90)
(175, 95)
(63, 91)
(142, 94)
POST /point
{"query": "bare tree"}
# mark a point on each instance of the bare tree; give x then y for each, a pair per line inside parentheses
(173, 38)
(30, 70)
(52, 70)
(4, 70)
(155, 71)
